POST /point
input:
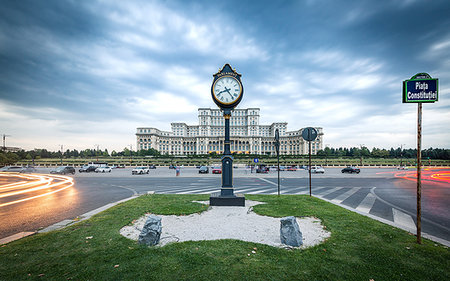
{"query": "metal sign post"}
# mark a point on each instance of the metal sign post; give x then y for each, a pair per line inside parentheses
(419, 172)
(309, 134)
(277, 148)
(419, 89)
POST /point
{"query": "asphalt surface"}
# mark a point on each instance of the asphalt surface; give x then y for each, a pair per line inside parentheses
(379, 192)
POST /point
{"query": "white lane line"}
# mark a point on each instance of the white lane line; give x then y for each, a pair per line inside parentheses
(265, 190)
(329, 191)
(345, 195)
(403, 219)
(201, 190)
(367, 204)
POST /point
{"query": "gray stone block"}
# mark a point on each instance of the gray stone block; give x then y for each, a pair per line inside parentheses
(151, 232)
(290, 233)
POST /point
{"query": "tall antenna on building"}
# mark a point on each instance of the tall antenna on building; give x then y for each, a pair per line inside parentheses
(4, 141)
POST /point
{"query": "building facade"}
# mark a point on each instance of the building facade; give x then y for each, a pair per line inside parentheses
(246, 135)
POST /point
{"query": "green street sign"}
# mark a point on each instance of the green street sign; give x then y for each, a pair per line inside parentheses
(420, 88)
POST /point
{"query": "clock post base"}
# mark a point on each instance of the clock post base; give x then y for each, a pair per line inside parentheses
(217, 199)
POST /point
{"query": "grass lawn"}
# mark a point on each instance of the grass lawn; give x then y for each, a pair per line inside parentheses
(359, 249)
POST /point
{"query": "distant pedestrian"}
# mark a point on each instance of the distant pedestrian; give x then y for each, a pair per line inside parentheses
(177, 169)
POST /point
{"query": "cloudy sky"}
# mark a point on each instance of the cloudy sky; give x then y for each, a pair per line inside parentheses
(87, 73)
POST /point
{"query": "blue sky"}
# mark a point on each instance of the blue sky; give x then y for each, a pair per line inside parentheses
(87, 73)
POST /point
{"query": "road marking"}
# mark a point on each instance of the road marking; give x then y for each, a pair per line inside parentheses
(330, 191)
(202, 190)
(367, 204)
(403, 219)
(345, 195)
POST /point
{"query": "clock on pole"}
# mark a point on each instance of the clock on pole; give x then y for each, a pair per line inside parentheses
(227, 92)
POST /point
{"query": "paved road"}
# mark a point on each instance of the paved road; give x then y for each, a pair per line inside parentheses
(379, 192)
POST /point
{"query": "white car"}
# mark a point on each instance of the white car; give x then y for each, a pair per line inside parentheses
(103, 169)
(317, 170)
(140, 170)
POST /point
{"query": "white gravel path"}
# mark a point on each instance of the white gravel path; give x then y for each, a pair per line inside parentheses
(219, 222)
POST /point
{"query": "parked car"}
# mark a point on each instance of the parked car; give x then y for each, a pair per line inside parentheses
(203, 170)
(262, 169)
(103, 169)
(152, 167)
(350, 170)
(217, 170)
(63, 170)
(87, 169)
(317, 170)
(292, 168)
(140, 171)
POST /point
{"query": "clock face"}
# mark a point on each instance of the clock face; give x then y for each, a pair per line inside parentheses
(227, 89)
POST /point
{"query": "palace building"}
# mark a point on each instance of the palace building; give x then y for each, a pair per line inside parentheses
(246, 136)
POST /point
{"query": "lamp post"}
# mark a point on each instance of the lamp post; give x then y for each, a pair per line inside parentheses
(131, 154)
(361, 154)
(62, 149)
(401, 154)
(96, 151)
(277, 148)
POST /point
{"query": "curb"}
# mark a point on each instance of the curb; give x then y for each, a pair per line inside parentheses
(64, 223)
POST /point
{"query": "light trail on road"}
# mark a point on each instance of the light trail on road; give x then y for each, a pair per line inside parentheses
(29, 184)
(428, 174)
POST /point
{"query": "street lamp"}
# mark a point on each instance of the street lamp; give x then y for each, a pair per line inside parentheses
(277, 147)
(131, 154)
(401, 154)
(96, 151)
(62, 149)
(361, 154)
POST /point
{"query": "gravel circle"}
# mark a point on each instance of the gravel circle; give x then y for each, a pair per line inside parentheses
(220, 222)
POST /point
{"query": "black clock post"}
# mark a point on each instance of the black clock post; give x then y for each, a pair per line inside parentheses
(227, 92)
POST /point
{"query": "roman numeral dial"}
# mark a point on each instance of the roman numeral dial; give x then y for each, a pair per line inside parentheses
(227, 89)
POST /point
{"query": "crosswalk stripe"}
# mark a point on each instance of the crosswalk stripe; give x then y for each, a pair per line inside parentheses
(345, 195)
(367, 203)
(403, 219)
(331, 190)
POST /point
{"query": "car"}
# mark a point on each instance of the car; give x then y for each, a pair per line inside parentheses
(292, 168)
(317, 170)
(103, 169)
(14, 169)
(140, 171)
(62, 170)
(203, 170)
(217, 170)
(152, 167)
(262, 169)
(350, 170)
(402, 168)
(172, 166)
(87, 169)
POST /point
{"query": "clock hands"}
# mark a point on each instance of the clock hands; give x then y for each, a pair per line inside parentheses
(226, 90)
